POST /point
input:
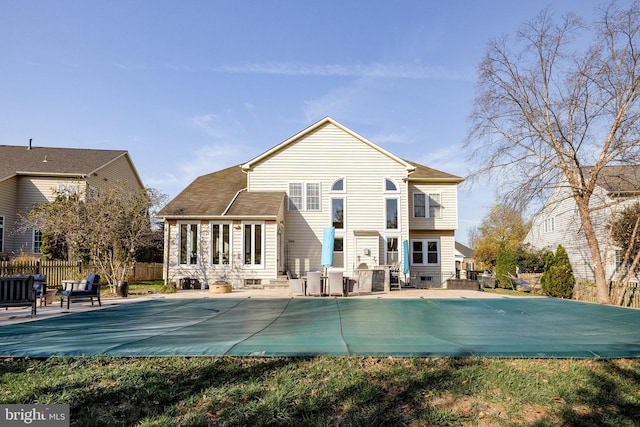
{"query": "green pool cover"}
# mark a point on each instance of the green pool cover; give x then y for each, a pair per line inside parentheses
(522, 327)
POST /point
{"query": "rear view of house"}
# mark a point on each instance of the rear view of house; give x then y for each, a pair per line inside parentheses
(31, 175)
(251, 224)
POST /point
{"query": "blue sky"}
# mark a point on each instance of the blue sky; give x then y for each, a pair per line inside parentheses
(190, 87)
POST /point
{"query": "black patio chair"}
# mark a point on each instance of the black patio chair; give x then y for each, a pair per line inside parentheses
(83, 290)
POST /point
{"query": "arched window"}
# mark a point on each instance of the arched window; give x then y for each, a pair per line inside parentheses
(389, 185)
(338, 185)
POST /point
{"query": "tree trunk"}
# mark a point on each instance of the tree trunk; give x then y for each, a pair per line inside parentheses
(602, 288)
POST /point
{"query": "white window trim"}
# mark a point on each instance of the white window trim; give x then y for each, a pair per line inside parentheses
(425, 245)
(262, 244)
(189, 249)
(218, 223)
(304, 203)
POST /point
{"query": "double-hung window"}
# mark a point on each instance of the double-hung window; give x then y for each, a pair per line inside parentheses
(221, 243)
(253, 241)
(188, 243)
(304, 196)
(425, 252)
(426, 205)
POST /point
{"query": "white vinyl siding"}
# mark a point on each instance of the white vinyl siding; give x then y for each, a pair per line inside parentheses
(436, 207)
(337, 155)
(8, 210)
(120, 169)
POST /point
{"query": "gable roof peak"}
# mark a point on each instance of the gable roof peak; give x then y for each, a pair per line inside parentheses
(312, 128)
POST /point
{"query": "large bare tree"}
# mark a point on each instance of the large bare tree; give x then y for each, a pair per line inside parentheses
(561, 96)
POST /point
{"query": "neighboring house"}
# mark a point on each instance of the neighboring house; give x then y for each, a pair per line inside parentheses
(251, 224)
(31, 175)
(464, 258)
(559, 222)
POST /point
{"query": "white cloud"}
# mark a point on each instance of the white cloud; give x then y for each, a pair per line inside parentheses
(373, 70)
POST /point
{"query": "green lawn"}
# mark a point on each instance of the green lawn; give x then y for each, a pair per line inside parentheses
(327, 391)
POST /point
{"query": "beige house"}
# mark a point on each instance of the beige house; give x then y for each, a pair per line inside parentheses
(559, 222)
(251, 224)
(30, 175)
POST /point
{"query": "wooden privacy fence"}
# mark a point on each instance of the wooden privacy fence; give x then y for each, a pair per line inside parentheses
(588, 292)
(57, 271)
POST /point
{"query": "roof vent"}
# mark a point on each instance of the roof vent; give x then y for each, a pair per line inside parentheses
(29, 148)
(45, 159)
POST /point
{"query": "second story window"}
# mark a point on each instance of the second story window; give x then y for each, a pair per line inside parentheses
(304, 196)
(426, 205)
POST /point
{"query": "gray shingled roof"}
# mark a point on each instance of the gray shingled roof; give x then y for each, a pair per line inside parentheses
(212, 194)
(619, 180)
(423, 172)
(59, 161)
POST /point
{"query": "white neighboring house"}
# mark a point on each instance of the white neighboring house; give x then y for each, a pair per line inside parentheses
(559, 222)
(31, 175)
(464, 261)
(254, 223)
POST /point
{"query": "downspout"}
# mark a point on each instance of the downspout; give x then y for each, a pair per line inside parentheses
(168, 249)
